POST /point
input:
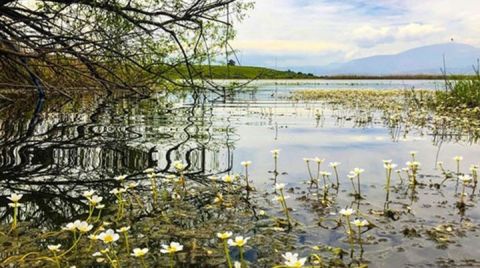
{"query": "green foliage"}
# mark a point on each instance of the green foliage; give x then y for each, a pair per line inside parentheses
(462, 93)
(242, 72)
(113, 44)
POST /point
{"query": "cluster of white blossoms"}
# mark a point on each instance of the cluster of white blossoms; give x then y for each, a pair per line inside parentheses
(81, 226)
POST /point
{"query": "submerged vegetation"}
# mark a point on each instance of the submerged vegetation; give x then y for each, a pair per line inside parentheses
(173, 220)
(405, 109)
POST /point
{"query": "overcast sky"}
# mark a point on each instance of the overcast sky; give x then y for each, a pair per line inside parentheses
(288, 33)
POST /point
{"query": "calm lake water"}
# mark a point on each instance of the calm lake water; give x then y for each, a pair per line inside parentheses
(75, 145)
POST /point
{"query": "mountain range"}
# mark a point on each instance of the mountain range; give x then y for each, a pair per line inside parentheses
(459, 59)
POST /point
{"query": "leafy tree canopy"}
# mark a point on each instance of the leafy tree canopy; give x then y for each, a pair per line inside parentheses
(134, 44)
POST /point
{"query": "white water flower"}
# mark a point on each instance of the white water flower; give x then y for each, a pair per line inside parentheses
(347, 212)
(95, 200)
(280, 186)
(224, 235)
(172, 248)
(465, 178)
(97, 254)
(83, 226)
(239, 241)
(275, 153)
(246, 163)
(360, 223)
(139, 252)
(291, 260)
(93, 237)
(413, 164)
(70, 227)
(108, 236)
(123, 229)
(458, 158)
(289, 256)
(54, 248)
(324, 173)
(118, 191)
(389, 165)
(318, 160)
(334, 164)
(88, 194)
(357, 171)
(15, 197)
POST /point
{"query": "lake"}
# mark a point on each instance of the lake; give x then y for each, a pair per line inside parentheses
(72, 146)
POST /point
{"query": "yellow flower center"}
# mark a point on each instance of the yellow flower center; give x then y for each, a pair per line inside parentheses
(108, 239)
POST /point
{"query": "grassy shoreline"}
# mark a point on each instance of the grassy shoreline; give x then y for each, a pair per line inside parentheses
(265, 73)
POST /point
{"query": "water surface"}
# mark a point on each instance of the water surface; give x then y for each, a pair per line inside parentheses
(76, 145)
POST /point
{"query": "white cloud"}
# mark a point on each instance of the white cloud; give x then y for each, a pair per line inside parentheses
(416, 30)
(286, 46)
(341, 30)
(370, 36)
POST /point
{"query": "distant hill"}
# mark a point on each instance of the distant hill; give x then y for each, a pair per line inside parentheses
(459, 59)
(246, 72)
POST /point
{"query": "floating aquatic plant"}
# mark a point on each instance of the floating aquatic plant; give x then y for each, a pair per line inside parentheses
(171, 249)
(54, 249)
(280, 187)
(388, 169)
(246, 164)
(140, 253)
(355, 173)
(184, 218)
(224, 236)
(239, 242)
(335, 165)
(15, 198)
